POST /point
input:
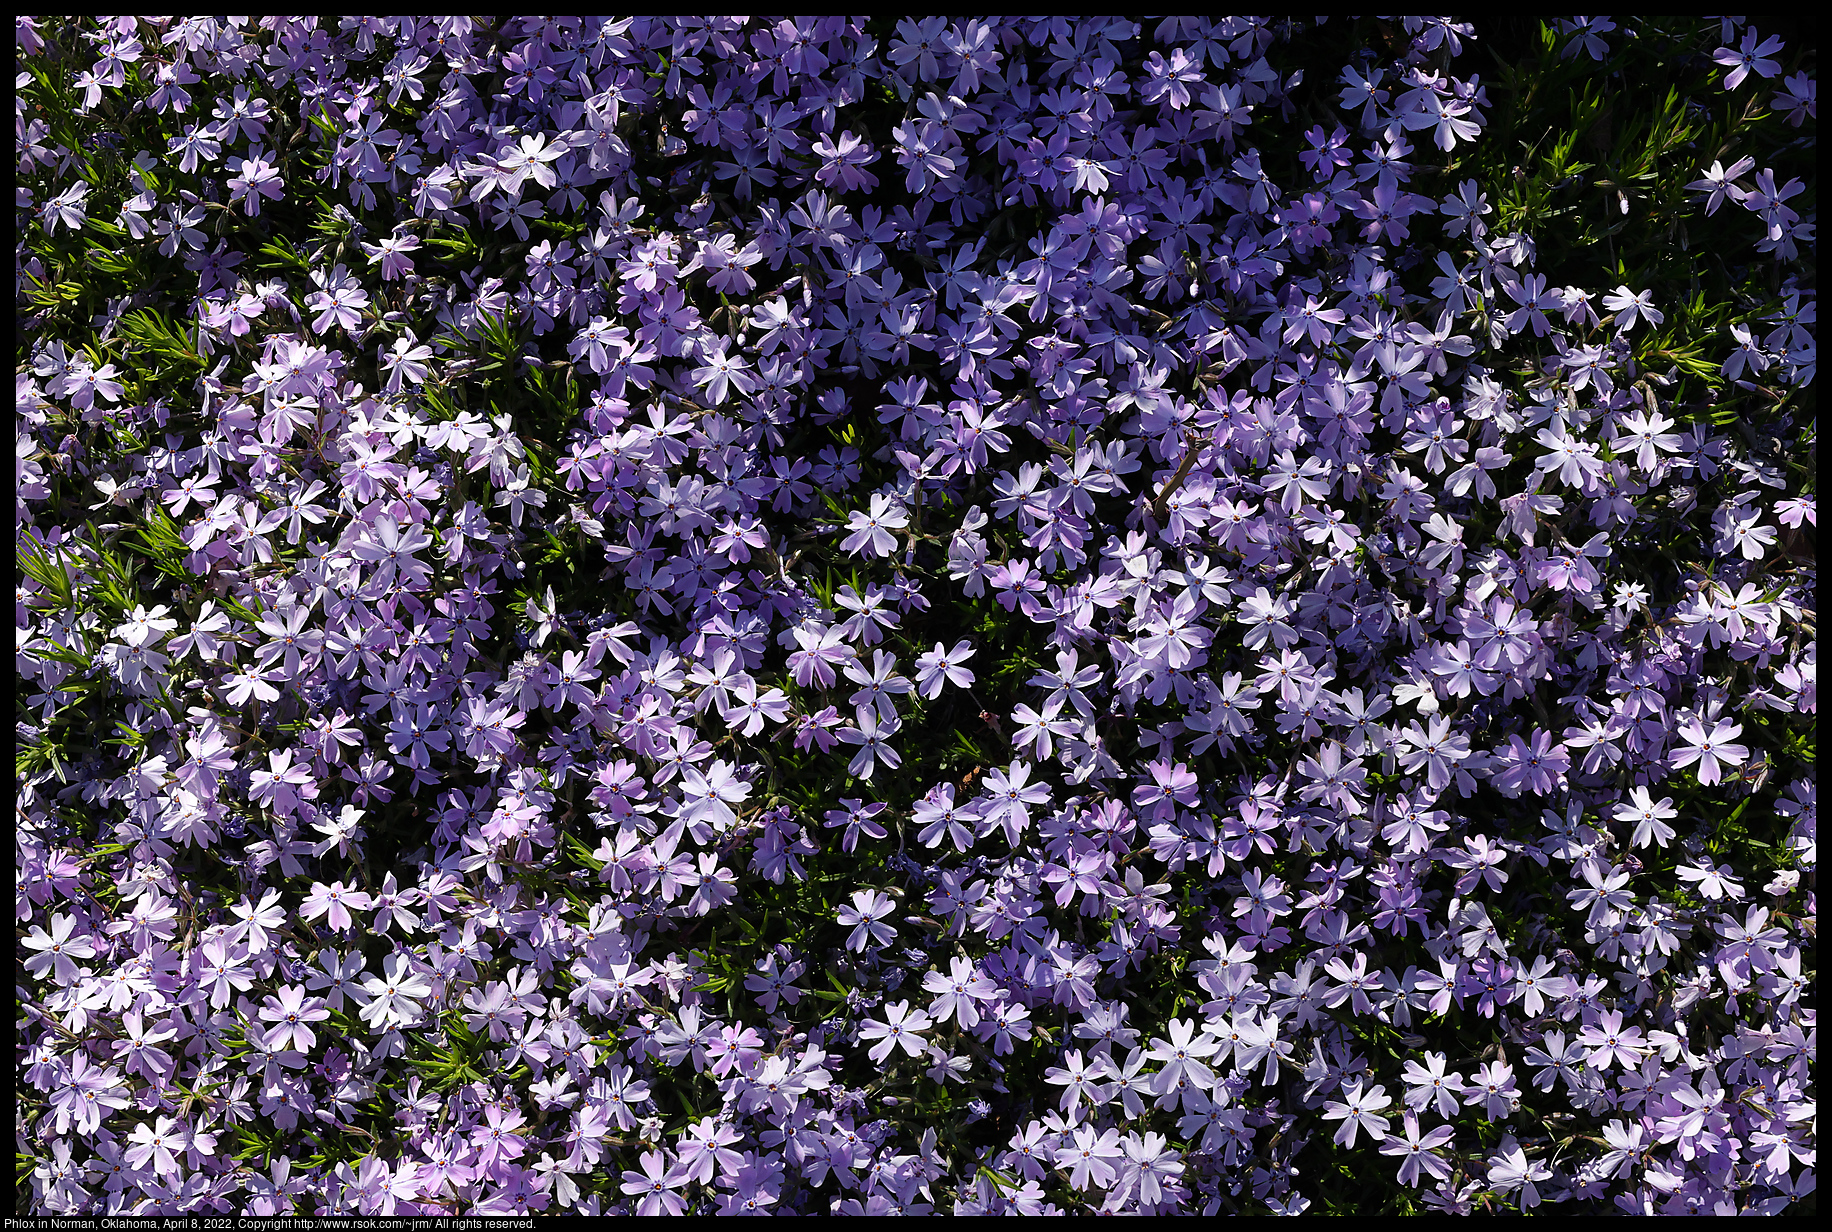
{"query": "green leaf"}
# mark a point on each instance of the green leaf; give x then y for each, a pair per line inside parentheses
(581, 853)
(279, 253)
(155, 332)
(49, 571)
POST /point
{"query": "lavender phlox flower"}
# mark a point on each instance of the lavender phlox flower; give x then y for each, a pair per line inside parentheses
(58, 949)
(1586, 36)
(1714, 881)
(1359, 1109)
(1712, 751)
(1010, 795)
(866, 917)
(1608, 1042)
(1749, 56)
(707, 797)
(1799, 98)
(1631, 307)
(857, 817)
(871, 732)
(1080, 1079)
(1509, 1169)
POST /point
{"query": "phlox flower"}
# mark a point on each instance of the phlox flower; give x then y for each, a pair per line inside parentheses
(958, 992)
(292, 1012)
(58, 949)
(1035, 733)
(1416, 1151)
(1092, 1158)
(1005, 1024)
(720, 374)
(939, 818)
(1586, 36)
(866, 916)
(857, 817)
(901, 1028)
(395, 996)
(1358, 1109)
(405, 362)
(1079, 1079)
(1649, 817)
(938, 667)
(1749, 56)
(655, 1185)
(1448, 118)
(1575, 460)
(871, 733)
(871, 531)
(1011, 793)
(336, 902)
(707, 797)
(1509, 1169)
(1431, 1085)
(1647, 436)
(391, 254)
(1796, 510)
(254, 179)
(1631, 307)
(1492, 1088)
(158, 1144)
(142, 626)
(1718, 183)
(1609, 1043)
(1712, 750)
(1714, 881)
(1799, 99)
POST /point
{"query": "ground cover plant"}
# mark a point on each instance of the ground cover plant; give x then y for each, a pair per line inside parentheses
(915, 616)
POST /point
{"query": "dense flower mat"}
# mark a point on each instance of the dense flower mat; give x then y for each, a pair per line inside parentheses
(1005, 615)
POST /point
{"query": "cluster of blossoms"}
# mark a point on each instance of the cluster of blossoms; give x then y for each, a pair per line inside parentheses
(1353, 644)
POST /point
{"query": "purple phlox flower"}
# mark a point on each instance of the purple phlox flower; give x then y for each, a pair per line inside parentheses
(1492, 1088)
(1712, 751)
(1080, 1079)
(871, 531)
(1509, 1169)
(1718, 183)
(866, 917)
(254, 179)
(405, 361)
(706, 798)
(1631, 307)
(938, 667)
(1799, 99)
(1357, 1110)
(1749, 56)
(871, 732)
(1608, 1042)
(719, 375)
(58, 949)
(337, 902)
(1586, 36)
(1650, 817)
(940, 818)
(1416, 1151)
(1092, 1157)
(1714, 881)
(1010, 793)
(655, 1185)
(958, 993)
(858, 818)
(1429, 1085)
(1558, 1059)
(66, 208)
(879, 685)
